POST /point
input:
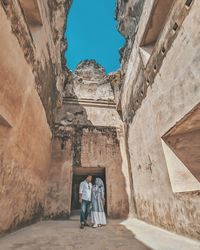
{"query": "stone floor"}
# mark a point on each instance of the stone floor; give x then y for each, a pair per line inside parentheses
(159, 239)
(66, 235)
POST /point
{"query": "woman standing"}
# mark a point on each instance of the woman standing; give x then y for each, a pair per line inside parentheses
(98, 201)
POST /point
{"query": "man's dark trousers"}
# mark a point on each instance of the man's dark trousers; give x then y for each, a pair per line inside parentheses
(85, 208)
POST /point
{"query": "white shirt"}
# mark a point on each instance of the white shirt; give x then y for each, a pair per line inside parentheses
(86, 190)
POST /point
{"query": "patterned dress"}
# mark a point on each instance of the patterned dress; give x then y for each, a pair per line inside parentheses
(97, 212)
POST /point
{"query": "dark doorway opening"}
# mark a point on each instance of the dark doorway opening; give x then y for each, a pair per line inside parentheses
(79, 175)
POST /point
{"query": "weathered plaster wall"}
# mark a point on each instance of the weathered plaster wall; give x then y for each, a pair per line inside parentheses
(154, 97)
(89, 81)
(86, 146)
(39, 27)
(128, 14)
(100, 148)
(88, 132)
(25, 136)
(32, 76)
(58, 198)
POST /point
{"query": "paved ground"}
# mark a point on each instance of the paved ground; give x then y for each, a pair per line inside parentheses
(66, 235)
(159, 239)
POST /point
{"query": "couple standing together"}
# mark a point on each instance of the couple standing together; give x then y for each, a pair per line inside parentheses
(92, 199)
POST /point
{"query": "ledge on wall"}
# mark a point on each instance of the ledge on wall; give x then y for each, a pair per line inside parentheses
(156, 22)
(33, 18)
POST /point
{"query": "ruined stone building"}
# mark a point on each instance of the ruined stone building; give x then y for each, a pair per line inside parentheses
(138, 128)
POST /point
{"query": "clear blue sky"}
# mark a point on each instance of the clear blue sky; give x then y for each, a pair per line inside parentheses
(92, 34)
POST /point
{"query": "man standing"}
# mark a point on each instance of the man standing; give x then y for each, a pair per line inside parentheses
(85, 190)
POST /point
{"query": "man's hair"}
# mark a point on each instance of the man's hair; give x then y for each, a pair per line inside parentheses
(88, 175)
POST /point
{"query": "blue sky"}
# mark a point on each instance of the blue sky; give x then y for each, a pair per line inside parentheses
(92, 34)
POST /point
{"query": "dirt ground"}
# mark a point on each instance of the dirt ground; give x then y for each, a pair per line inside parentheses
(66, 235)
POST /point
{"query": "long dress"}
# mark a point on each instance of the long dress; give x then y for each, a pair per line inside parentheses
(97, 212)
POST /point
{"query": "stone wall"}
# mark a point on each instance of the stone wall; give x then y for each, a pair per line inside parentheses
(39, 27)
(58, 197)
(88, 134)
(89, 81)
(128, 14)
(161, 87)
(86, 147)
(31, 77)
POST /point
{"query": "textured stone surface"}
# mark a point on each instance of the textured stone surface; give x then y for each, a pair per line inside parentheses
(100, 148)
(89, 82)
(66, 235)
(25, 137)
(43, 45)
(128, 14)
(156, 96)
(87, 146)
(31, 77)
(58, 198)
(88, 133)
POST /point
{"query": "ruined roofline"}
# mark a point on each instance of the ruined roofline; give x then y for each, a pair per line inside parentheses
(89, 62)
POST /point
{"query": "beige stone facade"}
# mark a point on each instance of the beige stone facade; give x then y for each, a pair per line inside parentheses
(30, 83)
(88, 138)
(160, 104)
